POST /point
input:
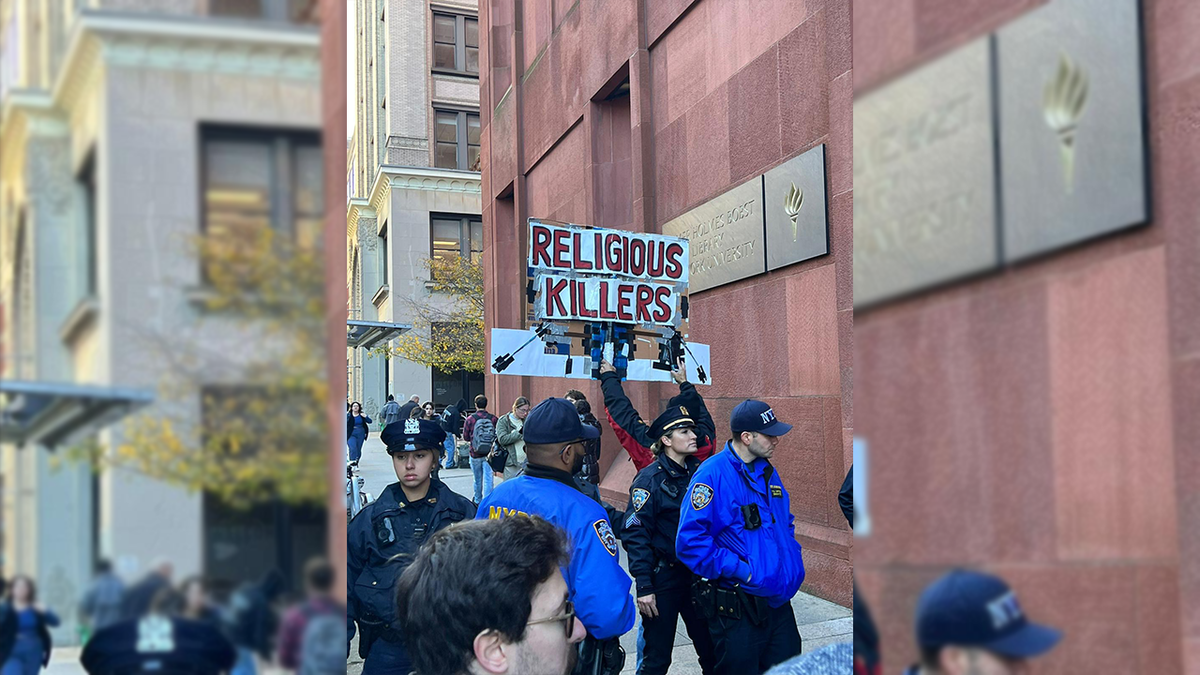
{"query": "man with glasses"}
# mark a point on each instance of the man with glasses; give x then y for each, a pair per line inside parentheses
(554, 446)
(515, 618)
(736, 531)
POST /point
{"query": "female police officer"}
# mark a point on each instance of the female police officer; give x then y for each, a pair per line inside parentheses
(664, 586)
(383, 537)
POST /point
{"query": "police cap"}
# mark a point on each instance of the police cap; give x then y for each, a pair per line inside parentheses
(413, 434)
(675, 417)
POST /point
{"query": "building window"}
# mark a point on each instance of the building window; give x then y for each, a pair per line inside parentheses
(383, 254)
(456, 43)
(85, 182)
(254, 181)
(294, 11)
(457, 140)
(457, 236)
(449, 387)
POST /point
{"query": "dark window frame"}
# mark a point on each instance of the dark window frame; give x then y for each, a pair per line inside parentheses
(464, 232)
(462, 142)
(284, 144)
(85, 178)
(460, 43)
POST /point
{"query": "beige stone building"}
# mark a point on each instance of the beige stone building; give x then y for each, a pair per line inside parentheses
(412, 177)
(128, 128)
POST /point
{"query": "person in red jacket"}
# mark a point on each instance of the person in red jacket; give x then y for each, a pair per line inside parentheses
(634, 433)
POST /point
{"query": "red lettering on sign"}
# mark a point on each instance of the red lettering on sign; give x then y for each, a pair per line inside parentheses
(623, 301)
(562, 250)
(541, 241)
(581, 291)
(612, 252)
(642, 308)
(663, 311)
(579, 263)
(674, 266)
(552, 297)
(637, 256)
(605, 313)
(598, 252)
(655, 258)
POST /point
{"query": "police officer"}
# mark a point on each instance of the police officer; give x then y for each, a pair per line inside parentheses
(736, 531)
(599, 588)
(381, 539)
(664, 586)
(970, 623)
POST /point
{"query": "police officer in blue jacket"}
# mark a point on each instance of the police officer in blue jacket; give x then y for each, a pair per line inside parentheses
(664, 585)
(383, 538)
(599, 588)
(736, 531)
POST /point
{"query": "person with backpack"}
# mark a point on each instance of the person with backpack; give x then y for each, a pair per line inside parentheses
(251, 621)
(480, 431)
(451, 421)
(312, 637)
(509, 437)
(391, 411)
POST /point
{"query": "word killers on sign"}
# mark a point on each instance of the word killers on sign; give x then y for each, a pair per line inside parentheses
(632, 301)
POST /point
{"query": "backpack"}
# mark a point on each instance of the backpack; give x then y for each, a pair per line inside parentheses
(323, 645)
(483, 436)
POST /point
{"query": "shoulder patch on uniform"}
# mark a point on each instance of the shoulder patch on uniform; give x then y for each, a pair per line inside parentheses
(639, 498)
(632, 521)
(605, 533)
(776, 491)
(701, 495)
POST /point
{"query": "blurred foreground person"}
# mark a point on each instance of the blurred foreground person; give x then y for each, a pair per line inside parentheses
(251, 621)
(312, 639)
(101, 605)
(599, 588)
(159, 642)
(31, 647)
(832, 659)
(866, 638)
(8, 623)
(513, 618)
(736, 529)
(383, 537)
(137, 599)
(970, 623)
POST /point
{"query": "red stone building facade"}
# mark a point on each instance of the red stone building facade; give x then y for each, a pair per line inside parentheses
(627, 115)
(1041, 420)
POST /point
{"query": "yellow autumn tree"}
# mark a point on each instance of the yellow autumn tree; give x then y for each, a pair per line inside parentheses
(448, 331)
(261, 433)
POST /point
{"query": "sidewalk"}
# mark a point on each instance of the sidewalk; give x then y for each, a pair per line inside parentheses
(820, 622)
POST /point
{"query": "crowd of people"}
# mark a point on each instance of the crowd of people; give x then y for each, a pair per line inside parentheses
(525, 577)
(155, 625)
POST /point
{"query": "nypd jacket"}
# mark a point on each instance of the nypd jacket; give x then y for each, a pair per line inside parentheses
(598, 586)
(718, 540)
(651, 521)
(634, 433)
(385, 528)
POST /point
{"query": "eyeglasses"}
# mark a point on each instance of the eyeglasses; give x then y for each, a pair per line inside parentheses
(568, 618)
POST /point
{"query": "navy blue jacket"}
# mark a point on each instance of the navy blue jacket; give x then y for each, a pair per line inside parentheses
(380, 542)
(713, 540)
(651, 522)
(598, 586)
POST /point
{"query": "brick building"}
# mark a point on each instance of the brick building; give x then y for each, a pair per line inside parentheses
(1038, 419)
(637, 115)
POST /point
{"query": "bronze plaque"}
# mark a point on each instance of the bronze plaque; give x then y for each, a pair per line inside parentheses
(794, 192)
(924, 178)
(725, 237)
(1072, 148)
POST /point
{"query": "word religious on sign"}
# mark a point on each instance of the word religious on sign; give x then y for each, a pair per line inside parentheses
(606, 275)
(598, 295)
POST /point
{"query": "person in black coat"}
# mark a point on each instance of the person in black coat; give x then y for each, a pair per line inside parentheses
(141, 595)
(8, 624)
(866, 637)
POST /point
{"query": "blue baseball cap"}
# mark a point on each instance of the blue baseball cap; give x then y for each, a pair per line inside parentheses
(555, 420)
(973, 609)
(751, 415)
